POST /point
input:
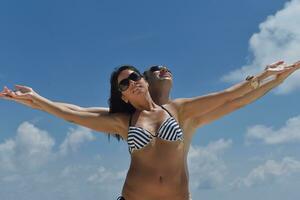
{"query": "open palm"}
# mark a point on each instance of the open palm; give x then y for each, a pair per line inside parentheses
(21, 94)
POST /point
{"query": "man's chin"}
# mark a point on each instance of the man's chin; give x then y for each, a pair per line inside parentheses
(165, 78)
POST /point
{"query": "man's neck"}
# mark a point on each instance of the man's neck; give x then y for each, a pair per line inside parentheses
(160, 96)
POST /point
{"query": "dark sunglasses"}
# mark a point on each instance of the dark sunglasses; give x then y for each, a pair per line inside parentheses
(159, 68)
(124, 84)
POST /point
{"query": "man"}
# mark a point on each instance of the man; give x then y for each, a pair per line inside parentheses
(160, 84)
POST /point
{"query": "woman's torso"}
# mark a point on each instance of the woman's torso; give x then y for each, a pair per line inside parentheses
(158, 169)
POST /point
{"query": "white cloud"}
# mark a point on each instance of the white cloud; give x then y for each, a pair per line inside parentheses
(96, 179)
(207, 169)
(33, 146)
(278, 38)
(29, 161)
(269, 172)
(75, 138)
(106, 178)
(290, 132)
(30, 149)
(7, 152)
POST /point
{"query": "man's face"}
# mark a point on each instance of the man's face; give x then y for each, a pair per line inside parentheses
(159, 77)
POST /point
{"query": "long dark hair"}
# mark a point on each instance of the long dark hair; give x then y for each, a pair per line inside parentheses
(116, 104)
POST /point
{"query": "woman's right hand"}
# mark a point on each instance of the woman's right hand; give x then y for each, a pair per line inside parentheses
(290, 69)
(20, 95)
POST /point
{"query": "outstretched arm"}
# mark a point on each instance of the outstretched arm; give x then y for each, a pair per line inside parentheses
(82, 109)
(194, 107)
(104, 122)
(244, 100)
(33, 105)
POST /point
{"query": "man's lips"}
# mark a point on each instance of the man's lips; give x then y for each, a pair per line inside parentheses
(164, 74)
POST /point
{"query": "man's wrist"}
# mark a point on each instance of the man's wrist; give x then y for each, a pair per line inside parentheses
(254, 81)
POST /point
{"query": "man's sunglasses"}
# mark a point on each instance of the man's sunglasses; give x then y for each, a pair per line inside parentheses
(159, 68)
(124, 84)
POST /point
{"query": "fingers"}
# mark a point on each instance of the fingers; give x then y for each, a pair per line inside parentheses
(6, 89)
(275, 64)
(280, 62)
(7, 92)
(11, 94)
(294, 66)
(297, 64)
(21, 87)
(5, 95)
(21, 93)
(7, 98)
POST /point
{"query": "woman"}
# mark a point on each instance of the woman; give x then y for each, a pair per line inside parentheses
(157, 145)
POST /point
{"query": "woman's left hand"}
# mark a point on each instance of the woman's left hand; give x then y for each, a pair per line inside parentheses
(8, 94)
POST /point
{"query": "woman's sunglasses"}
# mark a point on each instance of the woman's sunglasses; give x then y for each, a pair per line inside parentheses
(159, 68)
(124, 84)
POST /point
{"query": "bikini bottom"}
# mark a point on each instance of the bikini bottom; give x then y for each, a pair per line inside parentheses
(122, 198)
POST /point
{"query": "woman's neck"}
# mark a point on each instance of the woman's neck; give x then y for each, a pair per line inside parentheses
(146, 103)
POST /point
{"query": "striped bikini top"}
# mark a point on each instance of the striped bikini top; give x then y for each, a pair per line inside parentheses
(139, 137)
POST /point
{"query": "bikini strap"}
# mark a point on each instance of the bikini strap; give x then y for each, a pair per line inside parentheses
(166, 111)
(130, 120)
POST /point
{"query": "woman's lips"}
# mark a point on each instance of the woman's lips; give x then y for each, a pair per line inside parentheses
(136, 88)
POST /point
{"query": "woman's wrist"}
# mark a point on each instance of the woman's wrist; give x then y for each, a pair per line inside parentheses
(39, 100)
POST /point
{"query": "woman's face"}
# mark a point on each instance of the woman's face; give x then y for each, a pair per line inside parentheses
(135, 87)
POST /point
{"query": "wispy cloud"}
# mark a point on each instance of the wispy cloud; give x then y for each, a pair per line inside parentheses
(278, 38)
(106, 177)
(269, 172)
(207, 169)
(290, 132)
(75, 138)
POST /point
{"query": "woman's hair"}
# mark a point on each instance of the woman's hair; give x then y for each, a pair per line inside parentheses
(116, 104)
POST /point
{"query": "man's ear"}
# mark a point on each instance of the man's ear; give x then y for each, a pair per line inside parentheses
(124, 99)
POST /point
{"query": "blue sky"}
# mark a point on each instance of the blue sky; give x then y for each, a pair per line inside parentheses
(66, 50)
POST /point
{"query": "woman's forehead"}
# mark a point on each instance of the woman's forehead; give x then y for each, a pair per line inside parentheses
(124, 74)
